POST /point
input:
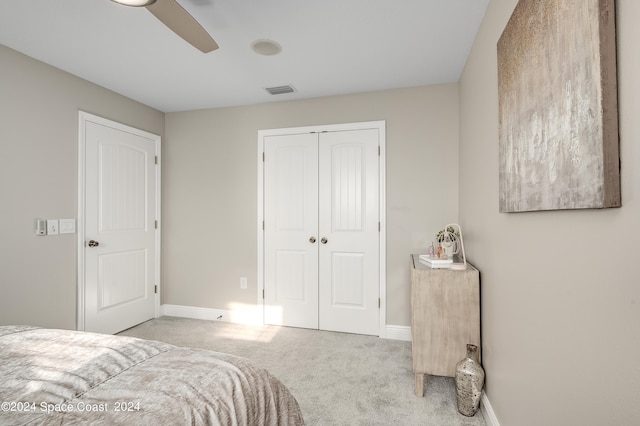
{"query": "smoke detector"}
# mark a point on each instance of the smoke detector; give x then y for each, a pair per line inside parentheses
(266, 47)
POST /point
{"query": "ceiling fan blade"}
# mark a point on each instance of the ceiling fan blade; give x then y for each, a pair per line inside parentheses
(174, 16)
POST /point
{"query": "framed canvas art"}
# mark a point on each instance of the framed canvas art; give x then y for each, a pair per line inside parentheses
(558, 113)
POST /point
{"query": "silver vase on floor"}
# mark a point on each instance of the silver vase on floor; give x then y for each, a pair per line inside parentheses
(469, 382)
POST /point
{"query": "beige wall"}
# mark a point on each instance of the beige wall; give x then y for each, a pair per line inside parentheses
(39, 108)
(560, 290)
(210, 188)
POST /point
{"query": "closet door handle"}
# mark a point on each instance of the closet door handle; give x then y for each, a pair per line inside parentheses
(324, 240)
(312, 240)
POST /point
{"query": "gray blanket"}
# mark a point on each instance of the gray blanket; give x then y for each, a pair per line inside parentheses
(69, 377)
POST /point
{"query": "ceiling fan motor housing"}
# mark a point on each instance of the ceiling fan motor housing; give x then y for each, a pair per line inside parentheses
(135, 3)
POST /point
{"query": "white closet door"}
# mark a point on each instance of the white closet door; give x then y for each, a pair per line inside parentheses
(321, 235)
(348, 222)
(291, 230)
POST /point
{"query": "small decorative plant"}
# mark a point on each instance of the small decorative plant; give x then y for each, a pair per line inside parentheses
(449, 233)
(448, 239)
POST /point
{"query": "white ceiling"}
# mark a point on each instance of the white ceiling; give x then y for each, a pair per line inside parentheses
(330, 47)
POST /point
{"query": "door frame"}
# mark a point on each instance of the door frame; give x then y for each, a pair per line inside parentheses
(381, 126)
(83, 118)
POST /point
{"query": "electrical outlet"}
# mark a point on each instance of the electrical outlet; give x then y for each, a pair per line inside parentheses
(52, 226)
(243, 283)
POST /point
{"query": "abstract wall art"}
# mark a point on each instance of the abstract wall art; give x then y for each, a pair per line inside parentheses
(558, 107)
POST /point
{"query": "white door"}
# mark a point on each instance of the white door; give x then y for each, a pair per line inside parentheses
(291, 230)
(119, 233)
(321, 230)
(349, 231)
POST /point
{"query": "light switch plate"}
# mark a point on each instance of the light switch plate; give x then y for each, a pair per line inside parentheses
(52, 226)
(67, 226)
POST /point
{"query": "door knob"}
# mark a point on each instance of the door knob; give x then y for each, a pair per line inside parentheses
(93, 243)
(324, 240)
(312, 240)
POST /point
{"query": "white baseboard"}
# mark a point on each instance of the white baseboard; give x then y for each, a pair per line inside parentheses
(398, 332)
(238, 317)
(393, 332)
(487, 411)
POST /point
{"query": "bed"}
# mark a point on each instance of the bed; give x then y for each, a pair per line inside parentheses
(69, 377)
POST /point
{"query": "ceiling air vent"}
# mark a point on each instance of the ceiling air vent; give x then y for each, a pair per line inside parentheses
(280, 90)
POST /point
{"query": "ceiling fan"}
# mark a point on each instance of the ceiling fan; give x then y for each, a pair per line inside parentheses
(174, 16)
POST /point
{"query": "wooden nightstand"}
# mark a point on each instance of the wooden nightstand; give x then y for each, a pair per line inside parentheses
(445, 316)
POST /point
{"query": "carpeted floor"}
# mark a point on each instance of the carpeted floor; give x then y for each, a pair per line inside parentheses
(337, 378)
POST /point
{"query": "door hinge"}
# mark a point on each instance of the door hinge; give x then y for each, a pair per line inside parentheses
(155, 289)
(379, 303)
(156, 159)
(263, 156)
(263, 225)
(379, 227)
(156, 224)
(378, 150)
(263, 293)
